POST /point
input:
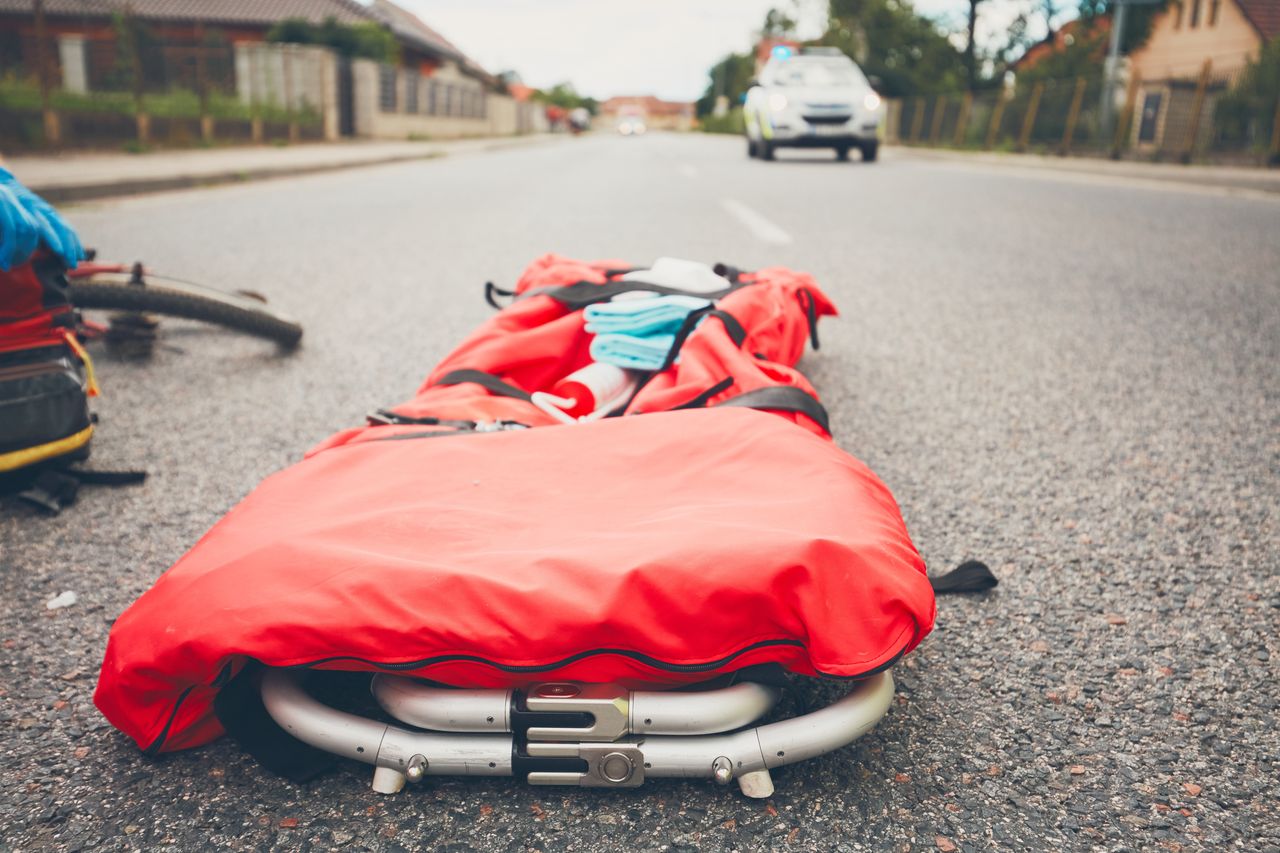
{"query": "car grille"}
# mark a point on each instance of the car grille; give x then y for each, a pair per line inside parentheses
(827, 119)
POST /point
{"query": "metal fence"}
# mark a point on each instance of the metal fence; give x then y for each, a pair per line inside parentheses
(1227, 118)
(124, 86)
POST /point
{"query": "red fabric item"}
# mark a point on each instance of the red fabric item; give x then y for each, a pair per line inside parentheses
(34, 309)
(661, 549)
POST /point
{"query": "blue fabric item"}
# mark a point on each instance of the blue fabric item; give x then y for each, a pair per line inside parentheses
(18, 231)
(26, 221)
(631, 352)
(641, 317)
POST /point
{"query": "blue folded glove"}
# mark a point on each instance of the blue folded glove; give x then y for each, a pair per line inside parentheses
(641, 317)
(26, 221)
(631, 352)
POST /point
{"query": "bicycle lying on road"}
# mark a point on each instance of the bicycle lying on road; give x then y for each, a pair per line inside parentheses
(136, 290)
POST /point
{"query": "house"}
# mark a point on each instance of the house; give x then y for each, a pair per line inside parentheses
(1064, 38)
(1187, 33)
(656, 113)
(433, 89)
(1188, 39)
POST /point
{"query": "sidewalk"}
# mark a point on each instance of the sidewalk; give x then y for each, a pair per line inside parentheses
(1244, 179)
(75, 176)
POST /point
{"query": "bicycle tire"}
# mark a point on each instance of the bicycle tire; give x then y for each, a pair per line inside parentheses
(173, 300)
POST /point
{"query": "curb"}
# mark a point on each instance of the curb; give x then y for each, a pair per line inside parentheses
(62, 194)
(1259, 181)
(70, 193)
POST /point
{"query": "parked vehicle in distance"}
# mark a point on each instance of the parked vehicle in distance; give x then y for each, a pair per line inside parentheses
(818, 98)
(631, 123)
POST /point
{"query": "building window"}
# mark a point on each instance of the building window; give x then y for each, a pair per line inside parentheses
(411, 93)
(1213, 12)
(1177, 21)
(484, 103)
(387, 88)
(448, 99)
(1195, 13)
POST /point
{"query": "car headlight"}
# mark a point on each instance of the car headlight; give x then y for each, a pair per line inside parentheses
(777, 102)
(871, 101)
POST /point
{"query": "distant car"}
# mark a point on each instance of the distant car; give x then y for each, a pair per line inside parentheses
(818, 98)
(631, 125)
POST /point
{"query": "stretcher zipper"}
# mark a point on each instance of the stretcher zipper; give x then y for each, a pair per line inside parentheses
(710, 666)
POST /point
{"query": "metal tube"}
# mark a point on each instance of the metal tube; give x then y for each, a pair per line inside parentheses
(776, 744)
(317, 724)
(376, 743)
(745, 755)
(649, 712)
(700, 712)
(443, 709)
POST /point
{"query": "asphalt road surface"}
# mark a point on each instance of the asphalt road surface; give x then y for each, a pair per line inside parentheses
(1072, 379)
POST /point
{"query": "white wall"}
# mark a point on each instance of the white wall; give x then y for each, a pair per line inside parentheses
(292, 76)
(500, 115)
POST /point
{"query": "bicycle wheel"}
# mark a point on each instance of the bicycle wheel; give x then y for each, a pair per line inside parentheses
(120, 292)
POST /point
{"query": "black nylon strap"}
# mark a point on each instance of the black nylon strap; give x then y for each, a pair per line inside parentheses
(389, 417)
(488, 381)
(492, 291)
(783, 398)
(701, 400)
(971, 576)
(731, 325)
(811, 313)
(690, 323)
(584, 293)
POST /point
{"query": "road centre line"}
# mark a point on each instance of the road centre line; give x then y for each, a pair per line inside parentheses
(756, 223)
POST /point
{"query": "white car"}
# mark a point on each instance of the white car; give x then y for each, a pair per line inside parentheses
(631, 125)
(818, 98)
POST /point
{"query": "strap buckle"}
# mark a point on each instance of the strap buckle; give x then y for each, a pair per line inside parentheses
(609, 765)
(498, 426)
(608, 706)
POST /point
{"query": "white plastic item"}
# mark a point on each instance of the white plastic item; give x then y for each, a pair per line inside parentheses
(587, 394)
(677, 273)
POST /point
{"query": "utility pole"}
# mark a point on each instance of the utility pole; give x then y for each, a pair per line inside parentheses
(52, 127)
(1106, 114)
(1107, 107)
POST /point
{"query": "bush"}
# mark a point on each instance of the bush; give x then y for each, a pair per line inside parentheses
(176, 103)
(730, 122)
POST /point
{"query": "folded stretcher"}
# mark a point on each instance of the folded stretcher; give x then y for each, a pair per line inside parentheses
(549, 603)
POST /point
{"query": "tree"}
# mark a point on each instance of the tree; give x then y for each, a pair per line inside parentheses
(907, 52)
(1245, 115)
(730, 77)
(367, 40)
(778, 25)
(970, 46)
(566, 96)
(1138, 21)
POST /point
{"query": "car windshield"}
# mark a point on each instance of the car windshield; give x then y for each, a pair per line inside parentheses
(818, 75)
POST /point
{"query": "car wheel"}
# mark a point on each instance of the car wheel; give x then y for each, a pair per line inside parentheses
(766, 149)
(869, 152)
(751, 147)
(842, 153)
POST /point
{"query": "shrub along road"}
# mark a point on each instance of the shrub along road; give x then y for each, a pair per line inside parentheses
(1073, 380)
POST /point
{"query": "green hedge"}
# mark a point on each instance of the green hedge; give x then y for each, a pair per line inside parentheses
(177, 103)
(731, 122)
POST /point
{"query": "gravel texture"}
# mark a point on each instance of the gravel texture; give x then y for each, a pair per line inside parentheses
(1076, 382)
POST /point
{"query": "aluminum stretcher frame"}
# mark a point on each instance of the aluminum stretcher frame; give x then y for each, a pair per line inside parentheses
(631, 735)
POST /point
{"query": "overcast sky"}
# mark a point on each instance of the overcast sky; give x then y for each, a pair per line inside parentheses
(660, 47)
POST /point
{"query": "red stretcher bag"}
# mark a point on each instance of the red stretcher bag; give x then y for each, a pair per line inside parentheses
(456, 538)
